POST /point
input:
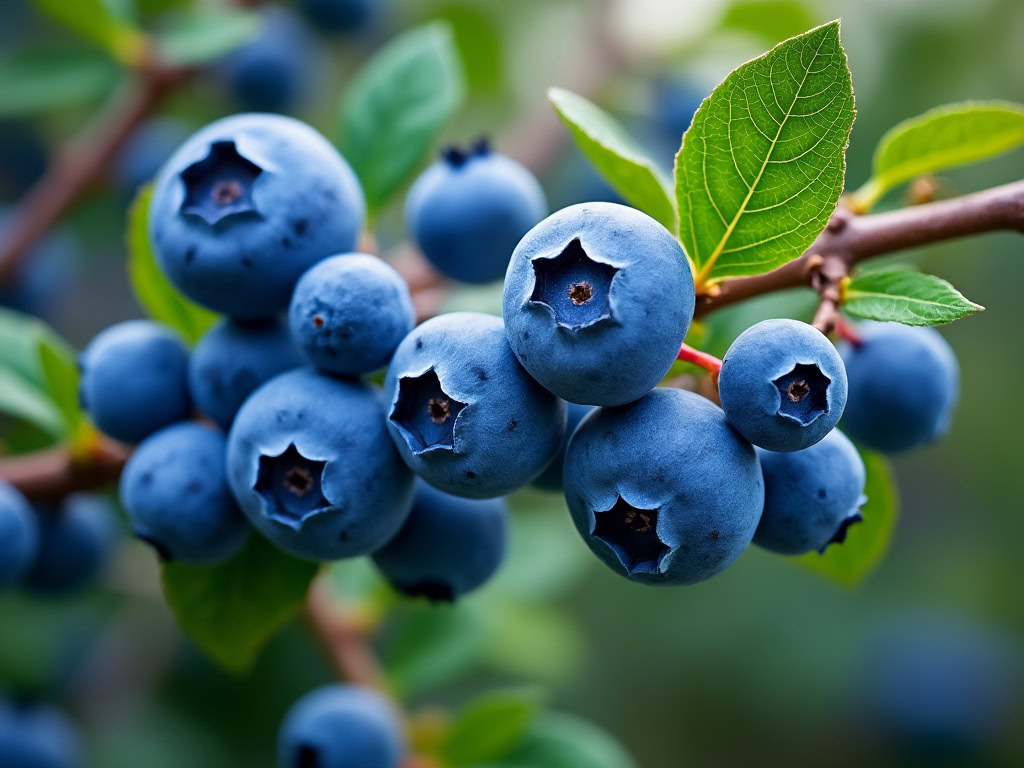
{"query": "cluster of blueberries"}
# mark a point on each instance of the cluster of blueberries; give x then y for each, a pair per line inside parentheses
(257, 216)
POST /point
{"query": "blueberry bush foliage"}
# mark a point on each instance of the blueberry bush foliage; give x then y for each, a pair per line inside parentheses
(757, 202)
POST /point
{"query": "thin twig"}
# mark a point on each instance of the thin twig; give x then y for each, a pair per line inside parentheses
(345, 641)
(709, 363)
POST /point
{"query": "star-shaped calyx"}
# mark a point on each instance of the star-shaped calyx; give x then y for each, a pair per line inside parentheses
(632, 534)
(220, 185)
(575, 287)
(426, 413)
(291, 487)
(803, 393)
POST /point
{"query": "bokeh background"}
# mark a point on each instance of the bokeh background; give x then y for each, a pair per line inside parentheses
(766, 664)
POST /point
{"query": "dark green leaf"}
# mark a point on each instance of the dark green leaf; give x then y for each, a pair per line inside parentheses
(866, 543)
(396, 106)
(905, 296)
(95, 21)
(205, 33)
(28, 390)
(761, 167)
(37, 80)
(616, 156)
(490, 727)
(558, 740)
(155, 294)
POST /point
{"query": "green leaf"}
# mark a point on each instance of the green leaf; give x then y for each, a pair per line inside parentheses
(20, 400)
(57, 361)
(95, 21)
(40, 79)
(769, 20)
(761, 167)
(396, 106)
(944, 137)
(532, 640)
(559, 740)
(615, 155)
(478, 40)
(205, 33)
(490, 727)
(905, 296)
(158, 297)
(866, 543)
(231, 610)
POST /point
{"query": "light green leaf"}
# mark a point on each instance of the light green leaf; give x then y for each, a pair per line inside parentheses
(205, 33)
(905, 296)
(57, 361)
(20, 400)
(40, 79)
(95, 21)
(532, 640)
(615, 155)
(761, 167)
(490, 727)
(559, 740)
(866, 543)
(944, 137)
(231, 610)
(396, 106)
(770, 20)
(155, 294)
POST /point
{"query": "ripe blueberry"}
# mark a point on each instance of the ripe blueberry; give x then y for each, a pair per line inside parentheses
(36, 736)
(349, 312)
(594, 284)
(811, 497)
(233, 359)
(75, 540)
(19, 535)
(551, 479)
(175, 489)
(246, 205)
(464, 414)
(663, 490)
(135, 380)
(448, 546)
(904, 386)
(467, 212)
(341, 726)
(783, 385)
(313, 469)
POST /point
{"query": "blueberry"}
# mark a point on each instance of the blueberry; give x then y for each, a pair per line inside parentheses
(464, 414)
(272, 72)
(233, 359)
(341, 726)
(175, 489)
(449, 546)
(36, 736)
(340, 15)
(663, 490)
(811, 497)
(904, 386)
(783, 385)
(140, 157)
(594, 284)
(467, 212)
(246, 205)
(19, 535)
(75, 541)
(135, 380)
(551, 479)
(313, 469)
(349, 313)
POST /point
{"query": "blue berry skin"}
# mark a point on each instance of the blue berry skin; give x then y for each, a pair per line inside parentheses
(175, 489)
(811, 497)
(341, 726)
(135, 380)
(312, 467)
(591, 287)
(36, 736)
(349, 313)
(663, 490)
(75, 542)
(247, 205)
(467, 211)
(904, 387)
(464, 414)
(233, 359)
(272, 72)
(340, 16)
(141, 156)
(551, 479)
(782, 385)
(449, 546)
(19, 535)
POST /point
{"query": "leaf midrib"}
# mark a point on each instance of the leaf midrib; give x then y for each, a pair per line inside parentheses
(859, 294)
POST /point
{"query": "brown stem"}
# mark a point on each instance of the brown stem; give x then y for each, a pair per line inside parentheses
(345, 641)
(827, 274)
(56, 472)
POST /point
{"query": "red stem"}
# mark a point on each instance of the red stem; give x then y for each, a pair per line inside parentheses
(709, 363)
(848, 331)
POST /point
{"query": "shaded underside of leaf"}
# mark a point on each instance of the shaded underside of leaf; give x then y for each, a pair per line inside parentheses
(905, 296)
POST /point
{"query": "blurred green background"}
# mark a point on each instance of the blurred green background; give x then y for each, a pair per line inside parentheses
(766, 664)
